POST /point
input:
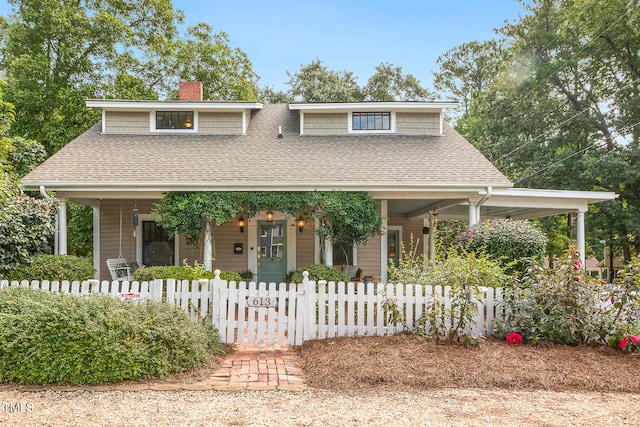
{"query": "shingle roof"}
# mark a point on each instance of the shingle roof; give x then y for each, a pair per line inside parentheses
(261, 157)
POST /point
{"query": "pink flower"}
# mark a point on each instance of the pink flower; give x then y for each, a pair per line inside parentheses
(577, 265)
(514, 338)
(623, 343)
(635, 340)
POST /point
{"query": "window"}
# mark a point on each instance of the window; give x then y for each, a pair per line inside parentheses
(174, 120)
(371, 121)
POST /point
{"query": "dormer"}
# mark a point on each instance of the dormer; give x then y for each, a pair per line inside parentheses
(190, 115)
(371, 118)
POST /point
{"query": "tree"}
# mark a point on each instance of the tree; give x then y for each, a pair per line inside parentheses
(466, 71)
(56, 54)
(26, 223)
(388, 83)
(316, 83)
(562, 110)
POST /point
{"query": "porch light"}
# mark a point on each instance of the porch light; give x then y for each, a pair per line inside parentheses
(241, 224)
(300, 224)
(269, 216)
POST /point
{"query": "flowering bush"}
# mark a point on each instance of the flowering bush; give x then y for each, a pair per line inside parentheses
(565, 305)
(506, 240)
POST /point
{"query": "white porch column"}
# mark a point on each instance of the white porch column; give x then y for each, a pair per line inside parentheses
(96, 240)
(62, 224)
(473, 218)
(208, 248)
(426, 238)
(580, 237)
(432, 235)
(384, 241)
(328, 252)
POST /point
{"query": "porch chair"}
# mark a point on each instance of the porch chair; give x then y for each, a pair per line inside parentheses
(356, 275)
(120, 269)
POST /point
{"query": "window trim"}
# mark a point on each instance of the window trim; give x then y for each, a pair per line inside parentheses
(153, 122)
(392, 124)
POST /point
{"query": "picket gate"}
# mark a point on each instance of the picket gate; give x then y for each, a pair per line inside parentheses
(250, 312)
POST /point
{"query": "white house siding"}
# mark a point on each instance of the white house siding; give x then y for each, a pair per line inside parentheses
(325, 124)
(126, 122)
(418, 123)
(220, 123)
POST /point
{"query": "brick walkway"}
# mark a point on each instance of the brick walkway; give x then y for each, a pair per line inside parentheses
(259, 367)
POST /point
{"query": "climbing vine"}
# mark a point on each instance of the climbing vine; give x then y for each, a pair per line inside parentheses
(342, 216)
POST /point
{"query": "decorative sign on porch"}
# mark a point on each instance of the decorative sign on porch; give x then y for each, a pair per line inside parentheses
(256, 301)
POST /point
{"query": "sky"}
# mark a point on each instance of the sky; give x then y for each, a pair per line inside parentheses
(280, 36)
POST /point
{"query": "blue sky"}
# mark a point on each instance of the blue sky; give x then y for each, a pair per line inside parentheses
(353, 35)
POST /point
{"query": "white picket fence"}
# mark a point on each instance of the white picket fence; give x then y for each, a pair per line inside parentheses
(288, 313)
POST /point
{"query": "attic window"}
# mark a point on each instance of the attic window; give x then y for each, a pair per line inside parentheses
(371, 121)
(174, 120)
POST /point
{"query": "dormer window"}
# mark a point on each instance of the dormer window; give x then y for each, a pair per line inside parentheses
(371, 121)
(174, 120)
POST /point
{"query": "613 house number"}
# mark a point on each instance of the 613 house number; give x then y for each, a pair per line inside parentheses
(262, 301)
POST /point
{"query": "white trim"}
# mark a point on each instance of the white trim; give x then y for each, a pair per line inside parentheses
(301, 123)
(373, 106)
(104, 121)
(352, 131)
(62, 226)
(114, 104)
(383, 241)
(96, 241)
(244, 122)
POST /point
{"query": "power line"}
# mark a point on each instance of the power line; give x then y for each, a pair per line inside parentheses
(598, 143)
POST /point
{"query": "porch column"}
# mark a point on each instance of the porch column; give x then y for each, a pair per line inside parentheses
(328, 252)
(473, 218)
(433, 216)
(384, 242)
(96, 240)
(62, 226)
(426, 238)
(208, 248)
(580, 235)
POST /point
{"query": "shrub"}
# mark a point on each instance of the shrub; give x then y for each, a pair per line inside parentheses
(55, 267)
(59, 338)
(182, 273)
(506, 240)
(564, 305)
(318, 272)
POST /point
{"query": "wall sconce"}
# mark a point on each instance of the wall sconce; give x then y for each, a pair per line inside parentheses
(269, 216)
(300, 224)
(135, 217)
(425, 230)
(241, 224)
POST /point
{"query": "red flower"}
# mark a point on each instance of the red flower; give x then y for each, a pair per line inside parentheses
(635, 340)
(623, 343)
(514, 338)
(577, 279)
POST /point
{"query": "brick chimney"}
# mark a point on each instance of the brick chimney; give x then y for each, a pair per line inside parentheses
(190, 91)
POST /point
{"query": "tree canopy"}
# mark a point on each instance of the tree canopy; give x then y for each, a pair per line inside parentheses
(555, 105)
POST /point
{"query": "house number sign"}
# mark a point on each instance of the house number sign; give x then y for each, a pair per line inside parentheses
(262, 301)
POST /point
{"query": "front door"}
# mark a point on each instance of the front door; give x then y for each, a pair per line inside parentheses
(272, 251)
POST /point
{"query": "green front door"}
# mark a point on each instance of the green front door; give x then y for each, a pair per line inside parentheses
(272, 251)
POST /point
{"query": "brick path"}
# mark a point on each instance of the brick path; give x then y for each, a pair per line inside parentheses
(259, 367)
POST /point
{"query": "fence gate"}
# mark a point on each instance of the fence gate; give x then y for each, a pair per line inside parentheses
(258, 313)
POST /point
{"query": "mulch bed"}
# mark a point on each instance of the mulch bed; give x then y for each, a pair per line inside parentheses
(405, 362)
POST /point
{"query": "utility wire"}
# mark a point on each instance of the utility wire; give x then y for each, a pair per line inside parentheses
(597, 143)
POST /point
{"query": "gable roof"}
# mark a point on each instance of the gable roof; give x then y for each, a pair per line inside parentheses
(261, 160)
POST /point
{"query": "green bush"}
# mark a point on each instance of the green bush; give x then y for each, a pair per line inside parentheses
(55, 267)
(507, 241)
(318, 272)
(182, 273)
(49, 338)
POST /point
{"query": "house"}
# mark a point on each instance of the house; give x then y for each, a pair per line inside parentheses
(403, 154)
